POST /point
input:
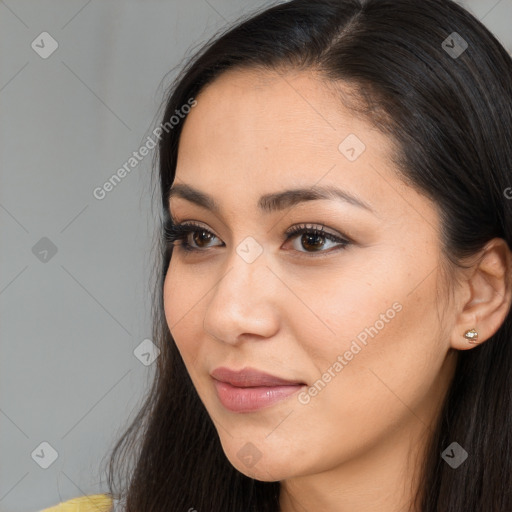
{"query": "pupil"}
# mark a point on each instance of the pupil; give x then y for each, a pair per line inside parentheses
(200, 234)
(314, 237)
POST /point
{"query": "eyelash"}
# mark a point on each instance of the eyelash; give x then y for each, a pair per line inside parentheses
(179, 232)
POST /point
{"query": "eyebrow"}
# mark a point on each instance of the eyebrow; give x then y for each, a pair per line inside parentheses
(273, 202)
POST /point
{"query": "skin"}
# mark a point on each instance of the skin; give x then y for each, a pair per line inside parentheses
(357, 444)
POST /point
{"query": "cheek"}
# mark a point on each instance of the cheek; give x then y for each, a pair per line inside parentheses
(378, 370)
(375, 345)
(331, 310)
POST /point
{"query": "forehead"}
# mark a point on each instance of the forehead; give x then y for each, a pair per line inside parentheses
(254, 132)
(250, 120)
(257, 105)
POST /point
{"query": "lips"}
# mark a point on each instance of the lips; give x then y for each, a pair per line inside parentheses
(250, 377)
(249, 390)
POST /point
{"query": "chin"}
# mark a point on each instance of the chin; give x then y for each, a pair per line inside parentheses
(260, 466)
(262, 472)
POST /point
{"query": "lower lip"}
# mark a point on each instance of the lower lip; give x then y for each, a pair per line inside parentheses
(251, 399)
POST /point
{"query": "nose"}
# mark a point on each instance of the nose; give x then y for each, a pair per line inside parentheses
(244, 302)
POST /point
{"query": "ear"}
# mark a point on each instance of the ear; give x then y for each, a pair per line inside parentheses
(487, 295)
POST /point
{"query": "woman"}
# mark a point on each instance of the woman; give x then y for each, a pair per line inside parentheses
(333, 303)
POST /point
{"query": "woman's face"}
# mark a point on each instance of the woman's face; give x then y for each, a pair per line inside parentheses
(357, 326)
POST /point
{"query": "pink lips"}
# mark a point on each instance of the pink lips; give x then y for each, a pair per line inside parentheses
(249, 389)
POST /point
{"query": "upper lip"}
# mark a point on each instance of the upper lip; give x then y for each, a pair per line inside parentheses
(250, 377)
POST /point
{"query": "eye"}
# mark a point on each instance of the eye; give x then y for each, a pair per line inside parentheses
(315, 238)
(180, 233)
(311, 237)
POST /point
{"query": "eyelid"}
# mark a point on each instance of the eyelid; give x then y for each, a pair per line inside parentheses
(319, 226)
(316, 226)
(192, 224)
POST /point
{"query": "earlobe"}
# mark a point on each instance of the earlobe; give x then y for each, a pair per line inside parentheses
(490, 297)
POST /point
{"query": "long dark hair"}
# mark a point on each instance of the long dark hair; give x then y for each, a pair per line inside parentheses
(448, 108)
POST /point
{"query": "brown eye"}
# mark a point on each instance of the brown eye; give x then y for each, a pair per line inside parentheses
(201, 236)
(179, 235)
(314, 240)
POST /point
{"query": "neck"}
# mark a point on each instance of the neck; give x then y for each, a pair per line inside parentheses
(384, 479)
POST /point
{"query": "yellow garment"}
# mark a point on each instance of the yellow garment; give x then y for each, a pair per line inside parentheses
(92, 503)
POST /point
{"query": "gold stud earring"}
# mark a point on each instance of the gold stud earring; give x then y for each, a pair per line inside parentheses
(472, 336)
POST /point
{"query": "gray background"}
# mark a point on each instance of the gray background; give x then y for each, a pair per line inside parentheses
(71, 321)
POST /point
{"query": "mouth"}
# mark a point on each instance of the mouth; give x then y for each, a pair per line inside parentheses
(250, 389)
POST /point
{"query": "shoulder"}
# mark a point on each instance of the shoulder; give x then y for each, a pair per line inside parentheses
(92, 503)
